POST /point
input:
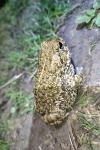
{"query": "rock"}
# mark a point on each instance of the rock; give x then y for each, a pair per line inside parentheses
(85, 49)
(45, 137)
(84, 45)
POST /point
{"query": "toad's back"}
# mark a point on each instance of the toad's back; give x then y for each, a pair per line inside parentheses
(55, 89)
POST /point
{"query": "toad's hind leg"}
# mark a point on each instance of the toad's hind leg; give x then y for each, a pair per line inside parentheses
(50, 118)
(55, 117)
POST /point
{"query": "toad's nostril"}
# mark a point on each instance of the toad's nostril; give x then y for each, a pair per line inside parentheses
(60, 45)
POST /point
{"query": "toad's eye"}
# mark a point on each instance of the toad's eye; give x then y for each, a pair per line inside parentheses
(60, 45)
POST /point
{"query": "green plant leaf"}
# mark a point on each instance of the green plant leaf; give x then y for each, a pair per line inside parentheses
(83, 19)
(96, 4)
(90, 13)
(97, 20)
(13, 110)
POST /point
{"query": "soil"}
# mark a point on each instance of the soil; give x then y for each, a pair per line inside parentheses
(30, 132)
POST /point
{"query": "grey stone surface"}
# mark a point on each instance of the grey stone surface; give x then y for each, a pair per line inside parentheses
(84, 45)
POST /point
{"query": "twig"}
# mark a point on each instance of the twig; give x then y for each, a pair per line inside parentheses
(71, 136)
(95, 143)
(71, 141)
(39, 147)
(16, 77)
(33, 74)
